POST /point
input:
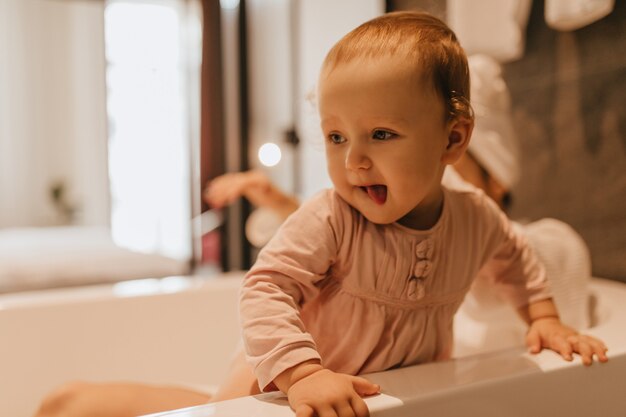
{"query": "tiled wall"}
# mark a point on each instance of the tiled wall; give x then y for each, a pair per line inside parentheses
(569, 104)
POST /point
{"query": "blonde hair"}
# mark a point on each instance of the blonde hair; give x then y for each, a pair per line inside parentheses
(419, 38)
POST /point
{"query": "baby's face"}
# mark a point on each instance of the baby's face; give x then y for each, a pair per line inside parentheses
(385, 140)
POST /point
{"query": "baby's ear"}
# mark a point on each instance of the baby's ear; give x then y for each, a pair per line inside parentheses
(459, 133)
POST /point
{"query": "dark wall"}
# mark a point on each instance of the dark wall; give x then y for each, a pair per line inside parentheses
(568, 94)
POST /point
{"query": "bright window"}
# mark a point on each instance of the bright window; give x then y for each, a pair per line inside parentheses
(147, 105)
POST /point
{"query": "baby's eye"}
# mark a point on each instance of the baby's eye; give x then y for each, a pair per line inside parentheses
(382, 134)
(336, 138)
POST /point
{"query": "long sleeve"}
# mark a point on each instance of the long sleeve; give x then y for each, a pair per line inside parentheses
(510, 266)
(513, 267)
(288, 273)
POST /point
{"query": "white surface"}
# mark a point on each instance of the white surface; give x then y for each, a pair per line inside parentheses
(171, 330)
(53, 124)
(494, 143)
(34, 258)
(183, 330)
(574, 14)
(493, 27)
(508, 383)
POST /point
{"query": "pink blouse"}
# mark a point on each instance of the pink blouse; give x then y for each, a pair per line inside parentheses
(363, 297)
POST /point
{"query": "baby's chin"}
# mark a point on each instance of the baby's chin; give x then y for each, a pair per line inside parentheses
(382, 220)
(380, 215)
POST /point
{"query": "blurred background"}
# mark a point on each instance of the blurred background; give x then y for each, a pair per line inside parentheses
(114, 115)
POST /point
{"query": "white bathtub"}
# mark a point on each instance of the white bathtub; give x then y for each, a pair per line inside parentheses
(169, 330)
(183, 330)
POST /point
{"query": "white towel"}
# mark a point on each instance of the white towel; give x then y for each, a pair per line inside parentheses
(493, 27)
(568, 266)
(493, 144)
(568, 15)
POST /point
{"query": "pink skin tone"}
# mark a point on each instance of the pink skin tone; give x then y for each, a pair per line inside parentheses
(387, 142)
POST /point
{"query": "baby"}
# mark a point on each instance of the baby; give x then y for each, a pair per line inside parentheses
(367, 276)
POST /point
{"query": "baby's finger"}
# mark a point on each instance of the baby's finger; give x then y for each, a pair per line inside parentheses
(359, 407)
(595, 342)
(325, 411)
(599, 348)
(363, 387)
(345, 410)
(305, 410)
(533, 341)
(563, 347)
(601, 354)
(585, 351)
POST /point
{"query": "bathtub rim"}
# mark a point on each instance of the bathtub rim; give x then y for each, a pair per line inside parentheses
(143, 287)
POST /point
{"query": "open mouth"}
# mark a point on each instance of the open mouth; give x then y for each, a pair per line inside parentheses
(377, 192)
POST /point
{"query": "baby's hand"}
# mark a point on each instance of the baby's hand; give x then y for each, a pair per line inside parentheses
(328, 394)
(550, 333)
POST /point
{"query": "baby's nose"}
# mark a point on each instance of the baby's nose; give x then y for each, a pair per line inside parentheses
(357, 158)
